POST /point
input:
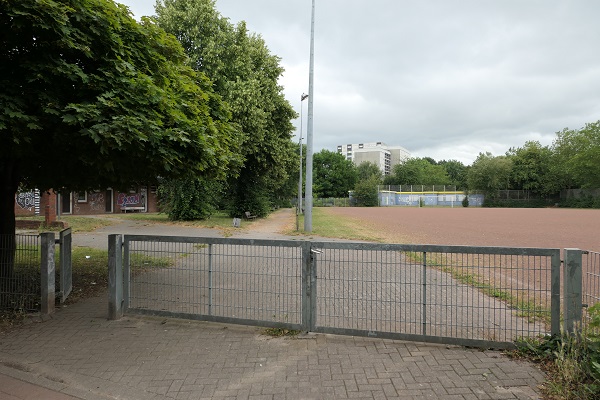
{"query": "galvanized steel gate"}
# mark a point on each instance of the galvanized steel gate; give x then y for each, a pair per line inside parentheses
(476, 296)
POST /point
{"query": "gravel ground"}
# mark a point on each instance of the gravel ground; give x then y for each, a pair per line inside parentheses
(508, 227)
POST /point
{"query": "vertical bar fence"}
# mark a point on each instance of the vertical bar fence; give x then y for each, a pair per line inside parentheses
(590, 283)
(474, 296)
(30, 280)
(20, 284)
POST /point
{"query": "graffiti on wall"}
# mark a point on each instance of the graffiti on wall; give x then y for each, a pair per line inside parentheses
(26, 200)
(96, 201)
(131, 199)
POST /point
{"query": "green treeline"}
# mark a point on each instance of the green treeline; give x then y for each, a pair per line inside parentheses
(572, 161)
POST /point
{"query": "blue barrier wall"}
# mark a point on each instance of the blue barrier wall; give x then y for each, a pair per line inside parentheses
(440, 199)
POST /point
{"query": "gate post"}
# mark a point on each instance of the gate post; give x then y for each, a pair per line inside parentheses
(48, 273)
(115, 277)
(307, 288)
(572, 289)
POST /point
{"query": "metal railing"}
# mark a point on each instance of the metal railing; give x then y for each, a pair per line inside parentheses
(20, 285)
(590, 282)
(476, 296)
(28, 271)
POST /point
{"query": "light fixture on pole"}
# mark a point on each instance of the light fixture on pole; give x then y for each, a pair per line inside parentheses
(299, 210)
(308, 202)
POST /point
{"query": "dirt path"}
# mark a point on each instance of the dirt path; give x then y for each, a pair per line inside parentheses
(279, 222)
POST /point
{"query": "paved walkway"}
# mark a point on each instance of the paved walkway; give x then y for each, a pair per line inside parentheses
(78, 353)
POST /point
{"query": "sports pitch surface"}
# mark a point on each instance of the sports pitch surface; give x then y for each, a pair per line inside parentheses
(506, 227)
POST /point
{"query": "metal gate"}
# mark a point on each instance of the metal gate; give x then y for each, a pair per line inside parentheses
(65, 240)
(476, 296)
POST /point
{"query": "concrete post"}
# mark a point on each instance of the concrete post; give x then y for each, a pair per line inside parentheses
(572, 289)
(115, 277)
(48, 273)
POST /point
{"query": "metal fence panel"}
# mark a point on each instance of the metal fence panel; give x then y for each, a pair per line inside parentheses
(227, 280)
(480, 296)
(65, 269)
(20, 286)
(448, 294)
(590, 282)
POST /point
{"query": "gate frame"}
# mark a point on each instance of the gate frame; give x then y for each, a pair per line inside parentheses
(119, 290)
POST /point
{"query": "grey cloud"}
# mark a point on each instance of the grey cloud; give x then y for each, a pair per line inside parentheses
(443, 78)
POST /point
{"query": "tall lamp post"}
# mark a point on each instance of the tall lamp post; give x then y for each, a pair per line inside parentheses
(299, 211)
(309, 132)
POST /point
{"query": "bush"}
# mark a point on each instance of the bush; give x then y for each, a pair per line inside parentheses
(465, 201)
(188, 200)
(366, 193)
(572, 360)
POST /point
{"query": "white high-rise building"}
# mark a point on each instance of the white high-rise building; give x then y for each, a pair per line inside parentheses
(378, 153)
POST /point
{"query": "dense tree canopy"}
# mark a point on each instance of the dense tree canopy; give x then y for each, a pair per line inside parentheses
(367, 170)
(245, 74)
(531, 168)
(418, 171)
(457, 173)
(91, 98)
(334, 175)
(577, 152)
(490, 174)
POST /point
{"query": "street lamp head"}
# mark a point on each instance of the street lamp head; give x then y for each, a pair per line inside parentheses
(303, 97)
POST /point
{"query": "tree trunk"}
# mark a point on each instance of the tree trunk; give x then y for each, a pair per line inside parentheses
(9, 182)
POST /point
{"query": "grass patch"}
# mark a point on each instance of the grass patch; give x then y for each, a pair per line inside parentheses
(219, 220)
(90, 273)
(76, 223)
(280, 332)
(570, 360)
(327, 225)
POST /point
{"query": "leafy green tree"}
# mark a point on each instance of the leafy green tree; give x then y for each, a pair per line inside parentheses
(367, 169)
(489, 174)
(457, 173)
(91, 98)
(245, 74)
(418, 171)
(333, 174)
(365, 192)
(189, 199)
(531, 168)
(577, 156)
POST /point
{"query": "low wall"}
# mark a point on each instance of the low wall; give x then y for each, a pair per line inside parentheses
(430, 199)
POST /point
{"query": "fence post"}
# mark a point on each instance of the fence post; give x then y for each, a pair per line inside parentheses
(48, 273)
(115, 277)
(308, 288)
(572, 288)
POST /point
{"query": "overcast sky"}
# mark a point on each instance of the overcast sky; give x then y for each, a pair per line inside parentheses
(445, 79)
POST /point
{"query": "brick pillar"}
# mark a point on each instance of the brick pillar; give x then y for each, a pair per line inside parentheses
(48, 202)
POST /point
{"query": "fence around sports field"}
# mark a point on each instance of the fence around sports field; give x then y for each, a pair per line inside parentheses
(29, 279)
(474, 296)
(590, 289)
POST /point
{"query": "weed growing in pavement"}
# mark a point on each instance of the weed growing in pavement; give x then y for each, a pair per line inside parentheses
(571, 360)
(279, 332)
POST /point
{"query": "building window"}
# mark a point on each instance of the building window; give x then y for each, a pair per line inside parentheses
(349, 147)
(360, 146)
(82, 197)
